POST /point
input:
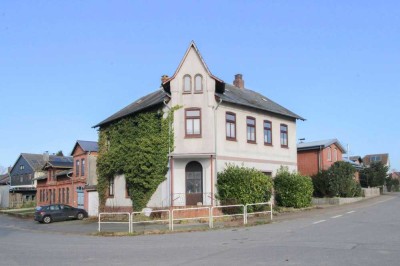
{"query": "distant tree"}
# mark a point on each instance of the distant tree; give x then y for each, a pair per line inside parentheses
(3, 170)
(374, 176)
(60, 153)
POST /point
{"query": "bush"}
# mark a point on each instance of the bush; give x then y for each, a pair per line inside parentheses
(293, 189)
(337, 181)
(395, 185)
(242, 185)
(374, 175)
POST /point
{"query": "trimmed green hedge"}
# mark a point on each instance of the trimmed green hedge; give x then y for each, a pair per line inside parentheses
(242, 185)
(293, 189)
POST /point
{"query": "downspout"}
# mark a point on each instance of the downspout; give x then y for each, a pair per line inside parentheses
(319, 159)
(215, 149)
(169, 157)
(72, 183)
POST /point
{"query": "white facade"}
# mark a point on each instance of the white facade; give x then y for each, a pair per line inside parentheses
(212, 150)
(195, 160)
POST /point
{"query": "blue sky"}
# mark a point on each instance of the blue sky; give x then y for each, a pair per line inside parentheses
(67, 65)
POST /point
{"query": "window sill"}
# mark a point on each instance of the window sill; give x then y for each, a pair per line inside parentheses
(192, 136)
(251, 142)
(198, 92)
(284, 146)
(230, 139)
(187, 92)
(268, 144)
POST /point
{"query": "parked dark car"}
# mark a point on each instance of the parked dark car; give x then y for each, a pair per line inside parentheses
(58, 212)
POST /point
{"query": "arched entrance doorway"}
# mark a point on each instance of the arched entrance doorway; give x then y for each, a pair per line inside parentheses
(194, 183)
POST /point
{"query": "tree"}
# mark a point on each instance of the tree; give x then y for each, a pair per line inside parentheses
(374, 176)
(337, 181)
(3, 170)
(60, 153)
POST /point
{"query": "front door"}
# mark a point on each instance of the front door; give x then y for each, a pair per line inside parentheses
(81, 197)
(194, 183)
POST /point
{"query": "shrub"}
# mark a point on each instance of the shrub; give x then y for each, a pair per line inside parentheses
(292, 189)
(337, 181)
(242, 185)
(395, 185)
(374, 176)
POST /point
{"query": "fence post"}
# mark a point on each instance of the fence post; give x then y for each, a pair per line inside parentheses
(172, 220)
(99, 222)
(245, 214)
(210, 217)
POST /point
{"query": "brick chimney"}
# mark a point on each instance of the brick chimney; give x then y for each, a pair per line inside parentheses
(164, 78)
(239, 82)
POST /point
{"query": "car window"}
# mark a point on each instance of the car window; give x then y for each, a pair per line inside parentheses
(66, 207)
(54, 208)
(38, 208)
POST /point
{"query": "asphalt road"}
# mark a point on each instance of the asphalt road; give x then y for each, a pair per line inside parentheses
(364, 233)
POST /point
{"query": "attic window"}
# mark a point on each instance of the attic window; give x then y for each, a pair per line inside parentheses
(265, 100)
(139, 101)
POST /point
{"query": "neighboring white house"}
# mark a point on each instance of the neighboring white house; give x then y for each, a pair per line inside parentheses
(218, 124)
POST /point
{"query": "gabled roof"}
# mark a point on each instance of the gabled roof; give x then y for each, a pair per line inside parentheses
(319, 144)
(193, 45)
(370, 158)
(64, 162)
(35, 161)
(87, 146)
(146, 102)
(225, 92)
(65, 172)
(255, 100)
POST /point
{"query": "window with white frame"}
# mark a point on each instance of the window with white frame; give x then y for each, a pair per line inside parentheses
(193, 122)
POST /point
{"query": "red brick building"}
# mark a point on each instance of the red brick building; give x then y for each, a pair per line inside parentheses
(54, 186)
(315, 156)
(67, 177)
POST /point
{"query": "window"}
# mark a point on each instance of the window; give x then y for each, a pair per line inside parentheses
(187, 84)
(251, 129)
(267, 132)
(67, 196)
(53, 175)
(335, 154)
(63, 195)
(329, 151)
(198, 83)
(111, 187)
(59, 195)
(22, 167)
(375, 158)
(193, 122)
(284, 135)
(77, 168)
(230, 126)
(83, 167)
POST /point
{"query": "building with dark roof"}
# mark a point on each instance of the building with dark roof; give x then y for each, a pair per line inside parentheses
(68, 177)
(217, 124)
(315, 156)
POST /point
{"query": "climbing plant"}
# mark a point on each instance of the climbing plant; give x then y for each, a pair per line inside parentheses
(136, 146)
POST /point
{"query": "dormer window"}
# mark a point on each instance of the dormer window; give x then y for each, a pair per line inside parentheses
(198, 83)
(187, 84)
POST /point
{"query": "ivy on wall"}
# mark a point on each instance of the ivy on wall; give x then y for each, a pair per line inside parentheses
(136, 146)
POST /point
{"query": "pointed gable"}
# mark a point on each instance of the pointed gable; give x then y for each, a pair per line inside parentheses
(192, 55)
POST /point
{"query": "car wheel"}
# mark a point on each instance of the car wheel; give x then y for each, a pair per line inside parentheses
(80, 216)
(47, 219)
